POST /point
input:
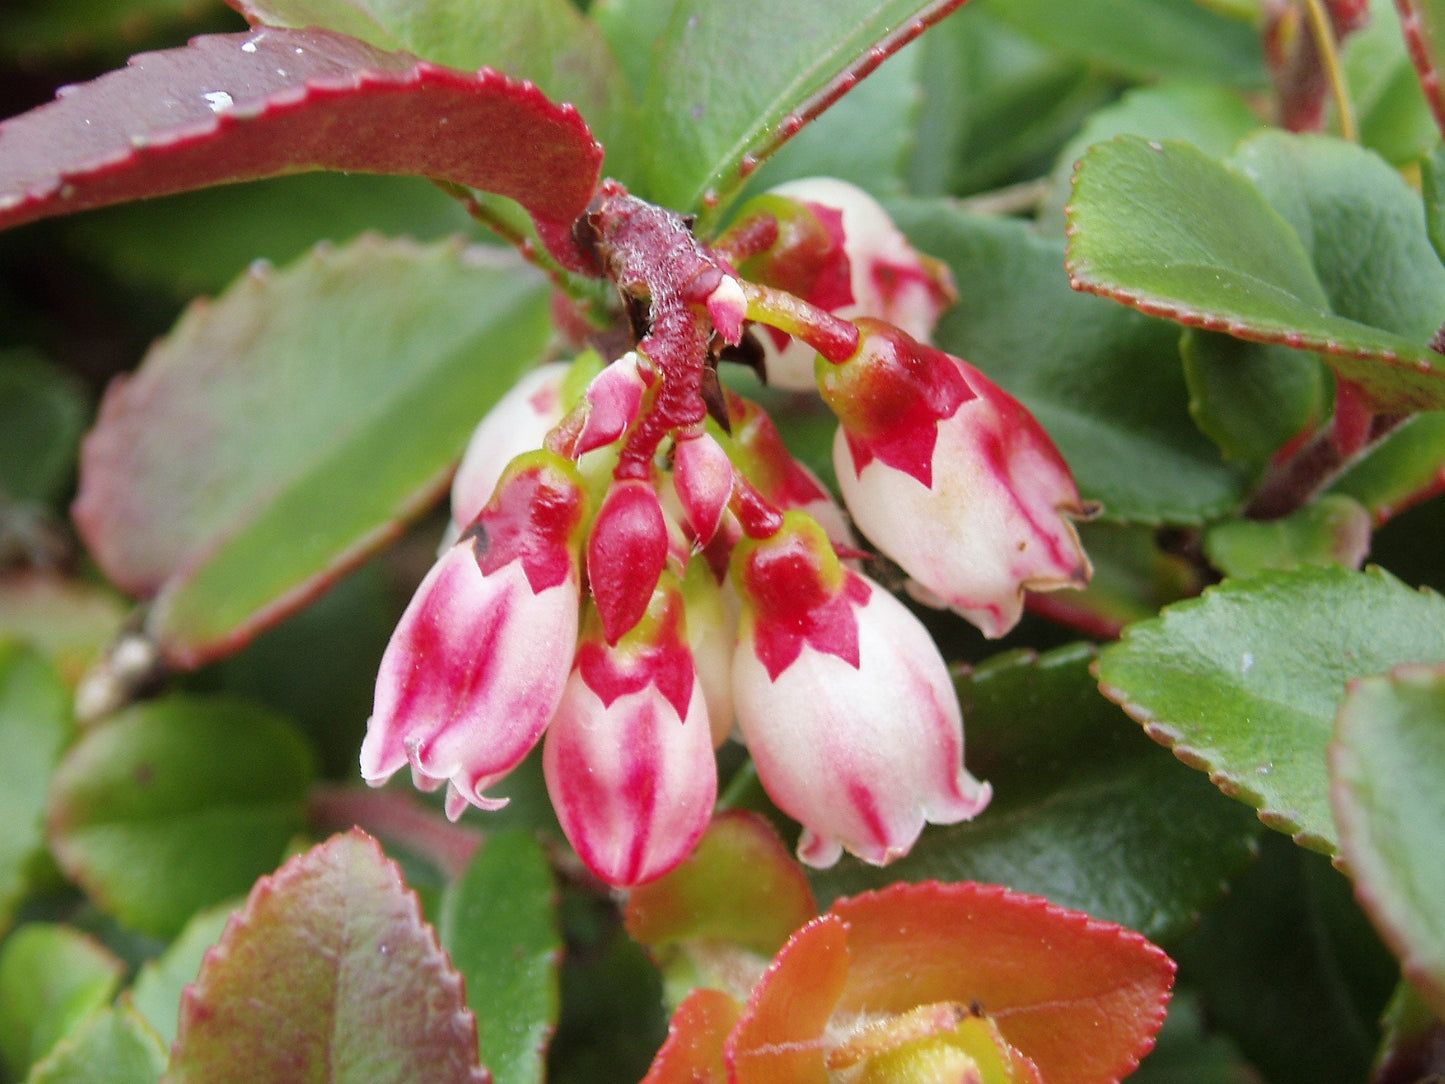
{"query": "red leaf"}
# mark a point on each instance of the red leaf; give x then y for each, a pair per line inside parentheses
(328, 973)
(1081, 998)
(238, 107)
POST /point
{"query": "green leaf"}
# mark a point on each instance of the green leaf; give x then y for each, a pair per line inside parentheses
(498, 922)
(1332, 530)
(35, 725)
(331, 399)
(1361, 224)
(1394, 118)
(1397, 472)
(1167, 229)
(328, 974)
(319, 667)
(1211, 117)
(1424, 24)
(727, 81)
(42, 414)
(1244, 682)
(995, 104)
(1104, 382)
(1432, 186)
(114, 1046)
(1289, 968)
(51, 978)
(1084, 812)
(161, 981)
(548, 42)
(1387, 762)
(884, 105)
(177, 804)
(1252, 398)
(1146, 39)
(224, 230)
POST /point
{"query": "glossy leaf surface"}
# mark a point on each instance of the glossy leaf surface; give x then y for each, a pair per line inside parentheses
(499, 926)
(176, 804)
(1244, 682)
(1083, 813)
(232, 107)
(1387, 761)
(328, 974)
(1169, 230)
(213, 474)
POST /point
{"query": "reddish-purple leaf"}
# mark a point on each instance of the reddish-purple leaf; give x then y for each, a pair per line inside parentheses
(328, 974)
(238, 107)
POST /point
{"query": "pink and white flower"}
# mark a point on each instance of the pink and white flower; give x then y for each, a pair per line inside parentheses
(518, 423)
(848, 258)
(478, 662)
(844, 702)
(952, 478)
(629, 756)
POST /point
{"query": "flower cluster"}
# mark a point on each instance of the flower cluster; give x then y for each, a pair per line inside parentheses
(638, 568)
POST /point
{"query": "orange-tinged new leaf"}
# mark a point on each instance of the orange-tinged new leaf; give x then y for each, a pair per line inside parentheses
(1081, 998)
(779, 1039)
(693, 1050)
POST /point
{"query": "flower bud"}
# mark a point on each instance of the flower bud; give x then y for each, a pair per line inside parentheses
(952, 478)
(629, 756)
(626, 553)
(838, 249)
(844, 702)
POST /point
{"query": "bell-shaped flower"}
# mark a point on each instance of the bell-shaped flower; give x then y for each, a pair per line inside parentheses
(844, 702)
(518, 423)
(479, 660)
(628, 756)
(838, 249)
(952, 478)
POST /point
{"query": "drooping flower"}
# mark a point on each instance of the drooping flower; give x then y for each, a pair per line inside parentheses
(628, 756)
(844, 702)
(952, 478)
(518, 423)
(478, 662)
(836, 248)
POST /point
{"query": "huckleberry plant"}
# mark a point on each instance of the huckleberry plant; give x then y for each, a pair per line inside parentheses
(639, 568)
